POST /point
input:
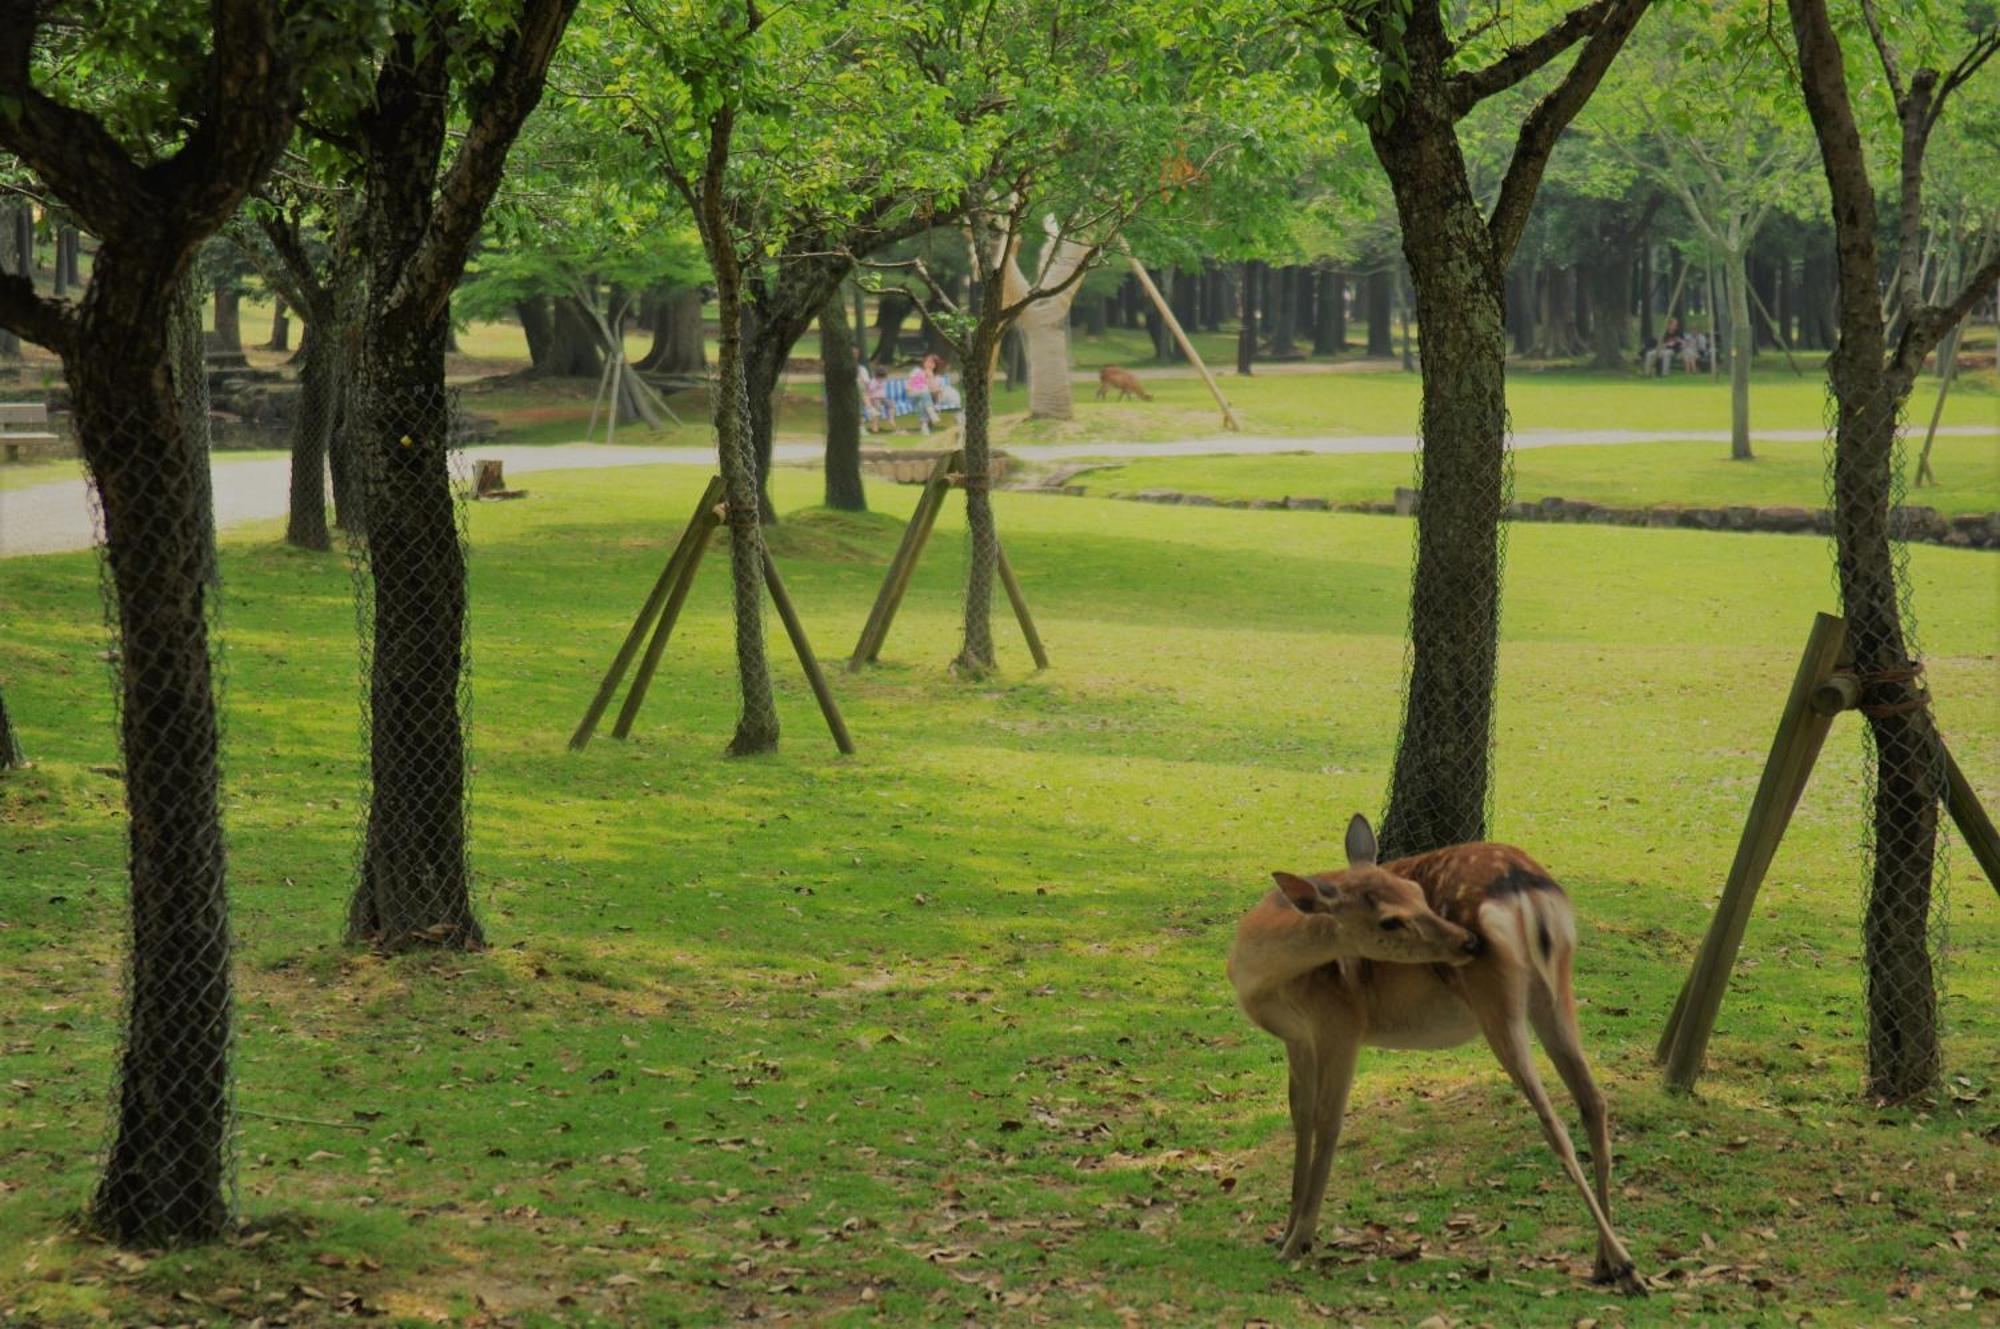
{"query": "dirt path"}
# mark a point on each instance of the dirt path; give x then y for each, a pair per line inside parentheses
(55, 517)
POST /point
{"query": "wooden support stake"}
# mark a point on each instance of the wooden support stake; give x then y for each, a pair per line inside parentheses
(703, 527)
(903, 565)
(1145, 280)
(1973, 823)
(1801, 731)
(1021, 608)
(669, 575)
(797, 632)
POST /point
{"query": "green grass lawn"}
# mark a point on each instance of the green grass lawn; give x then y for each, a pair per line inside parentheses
(1622, 475)
(940, 1032)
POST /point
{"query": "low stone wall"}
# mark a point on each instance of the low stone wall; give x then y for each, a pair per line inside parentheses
(912, 466)
(1976, 530)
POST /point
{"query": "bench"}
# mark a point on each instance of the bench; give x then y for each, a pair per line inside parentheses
(20, 443)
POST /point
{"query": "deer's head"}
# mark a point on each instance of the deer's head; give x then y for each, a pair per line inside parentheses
(1376, 914)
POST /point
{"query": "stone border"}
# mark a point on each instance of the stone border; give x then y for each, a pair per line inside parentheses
(1925, 525)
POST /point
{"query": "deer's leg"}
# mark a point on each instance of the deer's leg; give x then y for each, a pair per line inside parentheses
(1300, 1075)
(1329, 1105)
(1504, 1022)
(1554, 1018)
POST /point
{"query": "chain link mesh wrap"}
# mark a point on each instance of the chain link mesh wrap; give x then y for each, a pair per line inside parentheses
(1903, 762)
(413, 883)
(1440, 793)
(168, 1177)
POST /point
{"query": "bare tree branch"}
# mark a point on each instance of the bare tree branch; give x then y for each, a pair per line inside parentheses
(1883, 50)
(510, 92)
(45, 322)
(1516, 63)
(1551, 115)
(1927, 326)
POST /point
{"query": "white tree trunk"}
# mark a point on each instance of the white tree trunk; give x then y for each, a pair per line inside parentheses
(1741, 346)
(1044, 324)
(1044, 329)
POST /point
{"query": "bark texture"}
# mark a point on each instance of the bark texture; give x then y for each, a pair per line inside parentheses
(1458, 257)
(163, 1180)
(843, 409)
(419, 220)
(1872, 376)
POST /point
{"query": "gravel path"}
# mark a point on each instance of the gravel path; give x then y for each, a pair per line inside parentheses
(54, 517)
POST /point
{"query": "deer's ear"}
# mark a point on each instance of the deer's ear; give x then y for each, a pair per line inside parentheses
(1302, 893)
(1360, 842)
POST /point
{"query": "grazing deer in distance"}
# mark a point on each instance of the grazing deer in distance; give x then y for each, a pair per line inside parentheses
(1421, 952)
(1124, 380)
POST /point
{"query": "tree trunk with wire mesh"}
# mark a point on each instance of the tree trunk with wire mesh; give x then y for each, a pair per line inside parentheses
(1438, 791)
(1907, 757)
(975, 655)
(1872, 370)
(757, 726)
(163, 1180)
(843, 409)
(414, 888)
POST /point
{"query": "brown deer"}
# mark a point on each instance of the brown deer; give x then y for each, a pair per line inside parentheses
(1421, 952)
(1127, 383)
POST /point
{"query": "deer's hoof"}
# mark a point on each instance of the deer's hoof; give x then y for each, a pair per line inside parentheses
(1294, 1248)
(1624, 1277)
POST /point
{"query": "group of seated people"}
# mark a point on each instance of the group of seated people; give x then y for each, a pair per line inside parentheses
(1694, 350)
(925, 392)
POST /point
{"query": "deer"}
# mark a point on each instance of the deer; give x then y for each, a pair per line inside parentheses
(1420, 953)
(1127, 383)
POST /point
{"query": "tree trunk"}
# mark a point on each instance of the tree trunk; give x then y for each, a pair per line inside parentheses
(72, 262)
(1329, 315)
(1611, 321)
(843, 409)
(757, 726)
(24, 241)
(1643, 278)
(538, 326)
(891, 308)
(1741, 341)
(10, 343)
(763, 365)
(575, 349)
(1438, 792)
(1044, 329)
(228, 318)
(687, 335)
(1909, 766)
(1286, 280)
(414, 887)
(11, 755)
(163, 1180)
(1381, 337)
(312, 434)
(975, 656)
(344, 445)
(1246, 335)
(281, 329)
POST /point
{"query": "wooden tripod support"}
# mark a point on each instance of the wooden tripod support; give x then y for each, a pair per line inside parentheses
(904, 565)
(1821, 690)
(669, 594)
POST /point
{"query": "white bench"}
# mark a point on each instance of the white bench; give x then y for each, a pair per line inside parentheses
(19, 443)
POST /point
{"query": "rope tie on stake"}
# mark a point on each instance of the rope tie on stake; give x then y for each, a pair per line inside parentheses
(1909, 673)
